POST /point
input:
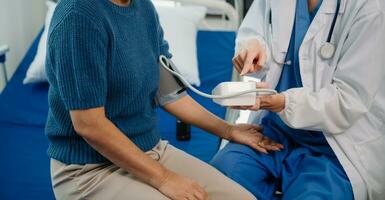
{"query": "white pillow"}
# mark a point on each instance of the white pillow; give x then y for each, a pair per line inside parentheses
(180, 25)
(36, 71)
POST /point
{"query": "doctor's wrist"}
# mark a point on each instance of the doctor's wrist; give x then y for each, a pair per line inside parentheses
(273, 103)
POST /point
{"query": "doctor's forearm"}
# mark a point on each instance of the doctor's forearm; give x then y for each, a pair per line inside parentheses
(189, 111)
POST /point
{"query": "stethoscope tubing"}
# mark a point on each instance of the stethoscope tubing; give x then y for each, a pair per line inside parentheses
(331, 31)
(328, 42)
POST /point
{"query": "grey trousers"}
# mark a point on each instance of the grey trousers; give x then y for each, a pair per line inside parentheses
(110, 182)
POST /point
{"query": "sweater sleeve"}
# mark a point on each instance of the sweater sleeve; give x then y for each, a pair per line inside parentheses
(77, 49)
(163, 44)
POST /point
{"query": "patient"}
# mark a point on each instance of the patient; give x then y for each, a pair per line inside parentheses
(104, 75)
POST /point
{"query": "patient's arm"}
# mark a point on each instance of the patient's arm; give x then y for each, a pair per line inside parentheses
(189, 111)
(108, 140)
(172, 97)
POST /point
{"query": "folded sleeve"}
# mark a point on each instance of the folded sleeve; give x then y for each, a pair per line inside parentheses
(77, 51)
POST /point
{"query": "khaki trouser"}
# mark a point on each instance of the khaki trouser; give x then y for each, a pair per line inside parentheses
(110, 182)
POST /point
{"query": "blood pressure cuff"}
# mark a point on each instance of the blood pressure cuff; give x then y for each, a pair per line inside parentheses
(170, 89)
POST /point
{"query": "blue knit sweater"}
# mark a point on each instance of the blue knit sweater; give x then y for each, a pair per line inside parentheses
(103, 55)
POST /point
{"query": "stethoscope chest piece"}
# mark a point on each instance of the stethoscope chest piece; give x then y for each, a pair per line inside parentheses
(327, 50)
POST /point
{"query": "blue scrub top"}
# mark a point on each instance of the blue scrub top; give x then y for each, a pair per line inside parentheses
(291, 78)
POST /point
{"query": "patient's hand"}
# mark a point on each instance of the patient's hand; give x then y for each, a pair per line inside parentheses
(251, 135)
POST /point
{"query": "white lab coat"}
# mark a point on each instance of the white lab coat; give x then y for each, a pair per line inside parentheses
(343, 97)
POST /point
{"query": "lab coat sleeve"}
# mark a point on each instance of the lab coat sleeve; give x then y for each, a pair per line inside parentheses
(254, 27)
(357, 78)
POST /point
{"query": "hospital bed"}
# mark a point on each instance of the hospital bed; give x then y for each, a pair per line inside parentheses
(24, 165)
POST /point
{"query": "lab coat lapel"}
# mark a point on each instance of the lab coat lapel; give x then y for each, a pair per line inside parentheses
(282, 20)
(283, 12)
(324, 15)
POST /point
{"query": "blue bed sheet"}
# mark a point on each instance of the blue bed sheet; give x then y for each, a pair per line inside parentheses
(24, 168)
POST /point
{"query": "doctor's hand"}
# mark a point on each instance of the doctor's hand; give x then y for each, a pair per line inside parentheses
(251, 59)
(273, 103)
(251, 136)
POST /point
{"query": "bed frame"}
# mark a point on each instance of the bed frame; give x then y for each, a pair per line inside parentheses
(226, 17)
(228, 12)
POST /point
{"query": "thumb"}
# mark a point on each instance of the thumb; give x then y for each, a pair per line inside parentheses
(256, 106)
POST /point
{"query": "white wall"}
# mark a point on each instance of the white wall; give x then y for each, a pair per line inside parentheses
(20, 22)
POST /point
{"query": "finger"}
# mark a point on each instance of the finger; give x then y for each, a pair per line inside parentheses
(246, 69)
(255, 66)
(261, 141)
(201, 195)
(199, 188)
(243, 55)
(192, 197)
(272, 147)
(240, 63)
(276, 146)
(257, 127)
(248, 63)
(280, 146)
(258, 140)
(270, 144)
(262, 59)
(237, 108)
(237, 66)
(205, 195)
(240, 107)
(245, 107)
(251, 58)
(266, 141)
(258, 148)
(256, 106)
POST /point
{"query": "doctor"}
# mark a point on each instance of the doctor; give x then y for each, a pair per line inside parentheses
(327, 60)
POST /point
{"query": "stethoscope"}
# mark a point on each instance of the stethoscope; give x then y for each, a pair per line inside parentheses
(327, 49)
